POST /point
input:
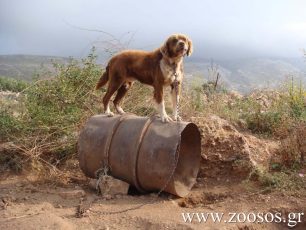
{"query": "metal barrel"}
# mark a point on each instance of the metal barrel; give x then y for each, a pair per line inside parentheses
(142, 151)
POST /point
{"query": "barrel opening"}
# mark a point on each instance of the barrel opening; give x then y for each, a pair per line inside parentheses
(188, 160)
(133, 191)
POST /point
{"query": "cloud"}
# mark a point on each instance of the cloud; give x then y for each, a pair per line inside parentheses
(219, 28)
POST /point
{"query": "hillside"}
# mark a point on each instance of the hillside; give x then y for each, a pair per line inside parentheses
(25, 67)
(242, 75)
(245, 75)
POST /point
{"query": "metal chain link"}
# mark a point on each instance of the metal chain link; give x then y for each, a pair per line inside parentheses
(176, 84)
(100, 175)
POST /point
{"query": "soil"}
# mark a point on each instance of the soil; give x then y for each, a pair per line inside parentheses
(30, 203)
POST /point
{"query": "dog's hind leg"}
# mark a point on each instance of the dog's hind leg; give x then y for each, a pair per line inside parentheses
(120, 94)
(112, 88)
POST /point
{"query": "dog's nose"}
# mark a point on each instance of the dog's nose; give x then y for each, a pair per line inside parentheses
(181, 44)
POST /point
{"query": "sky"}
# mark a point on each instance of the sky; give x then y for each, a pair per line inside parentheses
(219, 28)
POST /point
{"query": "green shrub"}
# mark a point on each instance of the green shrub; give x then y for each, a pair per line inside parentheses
(287, 108)
(9, 125)
(63, 100)
(296, 99)
(287, 180)
(263, 122)
(8, 84)
(52, 111)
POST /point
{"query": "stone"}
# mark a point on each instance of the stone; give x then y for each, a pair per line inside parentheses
(72, 194)
(107, 197)
(110, 186)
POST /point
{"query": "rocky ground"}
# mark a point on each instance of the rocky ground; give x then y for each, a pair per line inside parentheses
(228, 156)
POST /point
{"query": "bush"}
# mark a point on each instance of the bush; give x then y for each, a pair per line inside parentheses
(263, 122)
(9, 125)
(286, 180)
(9, 84)
(53, 111)
(63, 100)
(296, 99)
(286, 108)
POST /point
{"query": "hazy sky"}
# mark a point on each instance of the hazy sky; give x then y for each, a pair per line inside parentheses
(219, 28)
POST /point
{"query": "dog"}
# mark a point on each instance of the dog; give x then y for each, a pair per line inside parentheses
(159, 68)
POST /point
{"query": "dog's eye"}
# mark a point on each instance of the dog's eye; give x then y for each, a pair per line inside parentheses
(175, 40)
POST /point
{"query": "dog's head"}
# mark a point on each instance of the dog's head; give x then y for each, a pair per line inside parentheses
(177, 45)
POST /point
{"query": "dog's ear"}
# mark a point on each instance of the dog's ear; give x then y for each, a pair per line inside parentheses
(165, 49)
(190, 47)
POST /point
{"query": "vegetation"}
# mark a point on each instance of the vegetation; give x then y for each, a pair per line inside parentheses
(45, 119)
(283, 180)
(9, 84)
(40, 124)
(265, 112)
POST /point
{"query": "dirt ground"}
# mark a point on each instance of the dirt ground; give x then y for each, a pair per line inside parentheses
(30, 203)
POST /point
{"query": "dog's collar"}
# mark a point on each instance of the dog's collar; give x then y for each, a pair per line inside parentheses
(175, 70)
(173, 65)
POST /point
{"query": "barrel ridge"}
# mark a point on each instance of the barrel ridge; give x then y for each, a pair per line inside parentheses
(109, 142)
(141, 137)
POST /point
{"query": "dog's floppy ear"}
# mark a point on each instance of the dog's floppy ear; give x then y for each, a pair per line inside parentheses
(190, 47)
(165, 49)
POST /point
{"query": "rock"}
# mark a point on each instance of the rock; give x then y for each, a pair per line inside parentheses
(226, 151)
(110, 186)
(92, 183)
(59, 206)
(78, 193)
(107, 197)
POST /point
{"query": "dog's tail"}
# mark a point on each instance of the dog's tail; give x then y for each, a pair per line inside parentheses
(103, 79)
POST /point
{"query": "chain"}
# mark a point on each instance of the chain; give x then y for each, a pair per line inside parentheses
(102, 172)
(176, 84)
(176, 157)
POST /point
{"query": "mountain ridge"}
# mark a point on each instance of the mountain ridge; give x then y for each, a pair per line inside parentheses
(237, 74)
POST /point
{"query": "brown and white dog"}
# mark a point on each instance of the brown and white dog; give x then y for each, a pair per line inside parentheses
(157, 68)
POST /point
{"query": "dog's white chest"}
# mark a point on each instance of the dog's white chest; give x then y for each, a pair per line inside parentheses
(169, 72)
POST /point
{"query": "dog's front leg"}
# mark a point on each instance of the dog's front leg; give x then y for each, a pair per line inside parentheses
(162, 111)
(158, 96)
(175, 96)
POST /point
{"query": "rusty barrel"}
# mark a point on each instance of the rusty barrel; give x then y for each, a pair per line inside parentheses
(142, 151)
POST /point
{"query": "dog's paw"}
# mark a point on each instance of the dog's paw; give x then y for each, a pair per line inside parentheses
(109, 114)
(166, 118)
(120, 110)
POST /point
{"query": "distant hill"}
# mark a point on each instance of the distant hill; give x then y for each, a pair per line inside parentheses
(238, 74)
(26, 67)
(253, 73)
